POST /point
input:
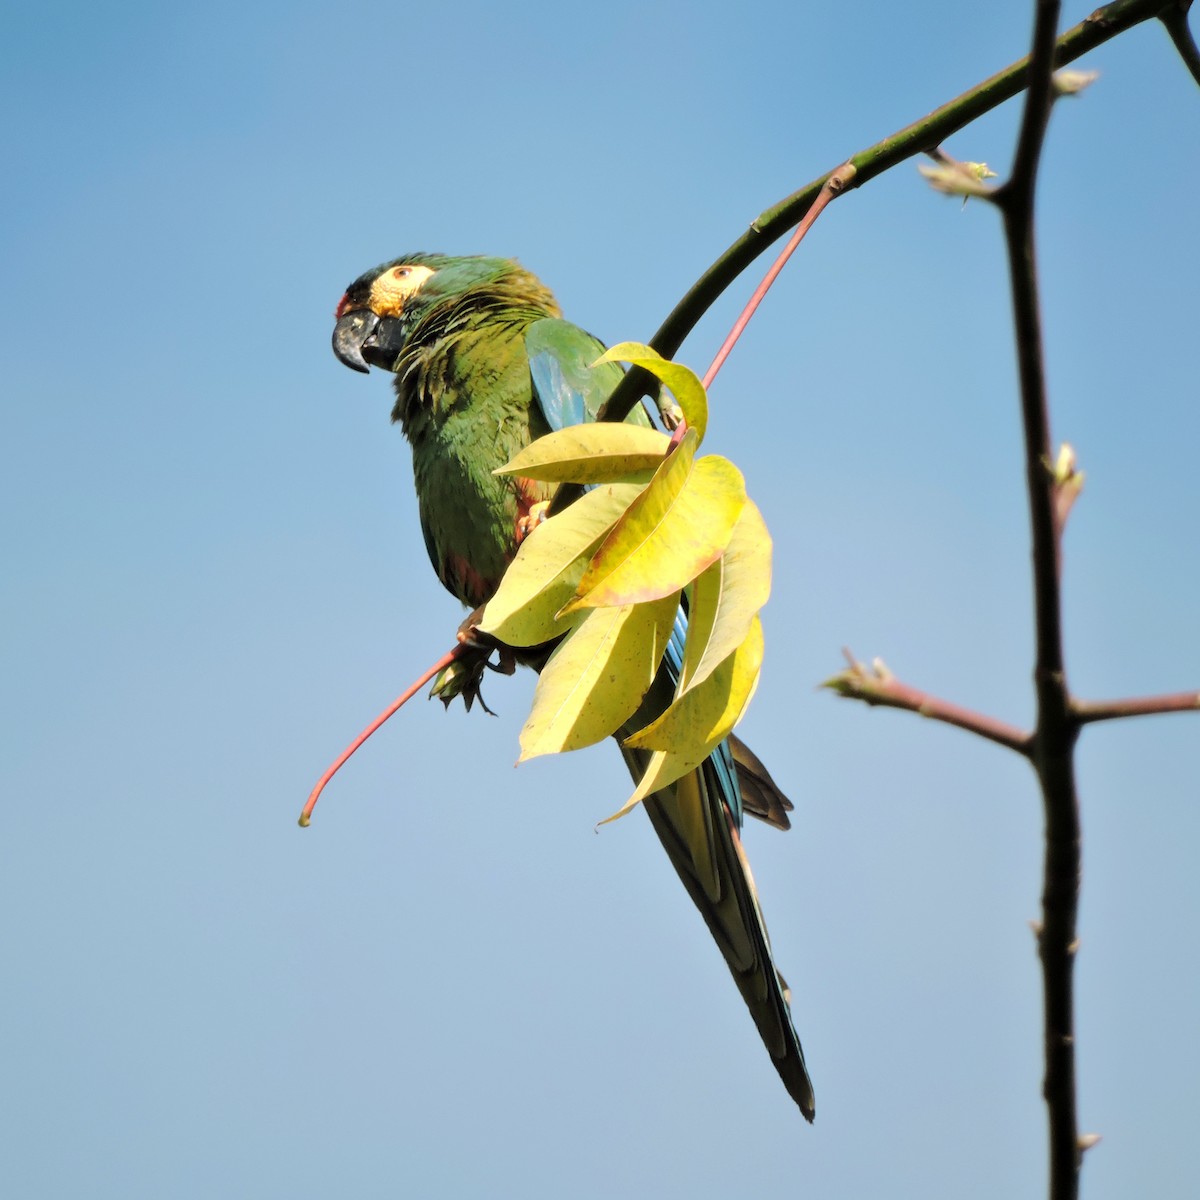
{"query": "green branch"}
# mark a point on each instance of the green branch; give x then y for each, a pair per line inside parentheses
(1105, 23)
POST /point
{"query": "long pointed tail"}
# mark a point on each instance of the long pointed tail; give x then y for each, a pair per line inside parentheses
(694, 821)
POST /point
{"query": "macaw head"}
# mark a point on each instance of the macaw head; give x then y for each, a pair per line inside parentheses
(382, 307)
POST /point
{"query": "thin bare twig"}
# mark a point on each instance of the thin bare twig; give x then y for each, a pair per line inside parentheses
(876, 685)
(1088, 711)
(462, 650)
(837, 182)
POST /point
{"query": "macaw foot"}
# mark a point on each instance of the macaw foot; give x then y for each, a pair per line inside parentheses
(469, 634)
(527, 524)
(464, 675)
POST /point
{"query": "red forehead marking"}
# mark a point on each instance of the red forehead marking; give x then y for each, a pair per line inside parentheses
(343, 305)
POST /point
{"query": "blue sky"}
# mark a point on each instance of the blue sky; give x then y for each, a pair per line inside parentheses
(450, 985)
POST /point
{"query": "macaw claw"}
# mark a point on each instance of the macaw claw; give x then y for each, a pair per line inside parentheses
(527, 524)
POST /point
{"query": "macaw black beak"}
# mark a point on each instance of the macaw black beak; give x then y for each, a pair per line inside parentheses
(350, 336)
(362, 340)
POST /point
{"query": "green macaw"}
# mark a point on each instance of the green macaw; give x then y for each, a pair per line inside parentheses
(483, 364)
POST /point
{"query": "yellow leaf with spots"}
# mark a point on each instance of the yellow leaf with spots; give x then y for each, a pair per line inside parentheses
(683, 382)
(601, 452)
(678, 526)
(596, 678)
(726, 597)
(699, 719)
(549, 565)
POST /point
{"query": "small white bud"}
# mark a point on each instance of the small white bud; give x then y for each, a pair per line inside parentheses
(1071, 83)
(958, 178)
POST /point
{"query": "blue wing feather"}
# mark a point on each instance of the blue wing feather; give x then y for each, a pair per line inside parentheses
(568, 388)
(561, 404)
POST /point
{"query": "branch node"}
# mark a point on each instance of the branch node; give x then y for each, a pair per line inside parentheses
(1174, 19)
(841, 177)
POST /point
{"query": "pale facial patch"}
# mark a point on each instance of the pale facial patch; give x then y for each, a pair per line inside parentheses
(392, 289)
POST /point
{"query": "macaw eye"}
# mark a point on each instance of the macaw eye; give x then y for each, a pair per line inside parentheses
(394, 287)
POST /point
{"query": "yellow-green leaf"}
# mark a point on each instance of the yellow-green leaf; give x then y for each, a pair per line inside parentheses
(663, 769)
(601, 452)
(698, 719)
(726, 597)
(549, 565)
(596, 678)
(654, 504)
(684, 384)
(680, 524)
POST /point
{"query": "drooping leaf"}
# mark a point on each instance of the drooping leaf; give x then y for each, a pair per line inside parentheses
(549, 565)
(684, 736)
(683, 382)
(654, 505)
(680, 524)
(594, 453)
(663, 769)
(596, 678)
(699, 718)
(725, 598)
